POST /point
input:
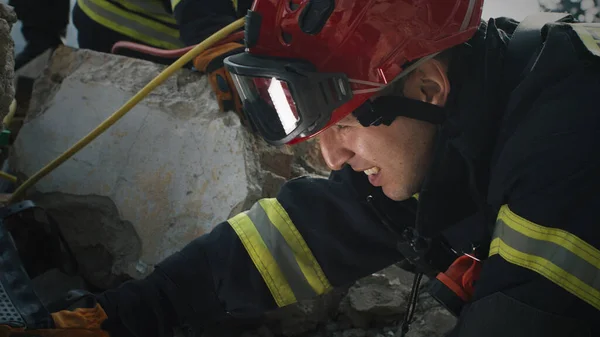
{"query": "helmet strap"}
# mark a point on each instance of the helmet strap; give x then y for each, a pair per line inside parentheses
(385, 109)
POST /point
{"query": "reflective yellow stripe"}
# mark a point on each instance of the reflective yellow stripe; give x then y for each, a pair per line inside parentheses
(152, 8)
(262, 259)
(416, 196)
(235, 4)
(174, 3)
(589, 33)
(279, 253)
(558, 236)
(132, 25)
(547, 269)
(304, 257)
(560, 256)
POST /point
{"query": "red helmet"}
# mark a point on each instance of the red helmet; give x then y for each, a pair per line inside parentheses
(316, 61)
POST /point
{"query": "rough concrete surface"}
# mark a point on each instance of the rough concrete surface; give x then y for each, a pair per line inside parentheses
(7, 61)
(171, 169)
(372, 307)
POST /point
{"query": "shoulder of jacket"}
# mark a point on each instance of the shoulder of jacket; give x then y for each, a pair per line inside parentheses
(589, 35)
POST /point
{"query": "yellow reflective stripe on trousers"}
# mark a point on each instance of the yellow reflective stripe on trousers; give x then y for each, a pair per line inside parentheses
(151, 8)
(280, 254)
(127, 23)
(560, 256)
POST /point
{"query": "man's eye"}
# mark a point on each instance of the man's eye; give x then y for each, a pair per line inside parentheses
(341, 126)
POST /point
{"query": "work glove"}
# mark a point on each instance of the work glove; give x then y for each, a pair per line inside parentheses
(77, 321)
(210, 62)
(23, 314)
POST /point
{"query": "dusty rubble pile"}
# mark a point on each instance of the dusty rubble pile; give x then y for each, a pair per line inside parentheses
(372, 307)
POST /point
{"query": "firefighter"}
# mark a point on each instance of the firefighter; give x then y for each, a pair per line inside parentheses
(466, 148)
(164, 24)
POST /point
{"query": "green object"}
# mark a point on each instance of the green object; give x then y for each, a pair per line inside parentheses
(4, 137)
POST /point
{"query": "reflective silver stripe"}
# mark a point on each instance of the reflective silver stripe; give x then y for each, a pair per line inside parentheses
(152, 8)
(281, 252)
(468, 15)
(149, 6)
(560, 256)
(131, 24)
(550, 251)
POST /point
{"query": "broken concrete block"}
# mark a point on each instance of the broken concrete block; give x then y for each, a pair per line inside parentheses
(7, 60)
(166, 173)
(381, 296)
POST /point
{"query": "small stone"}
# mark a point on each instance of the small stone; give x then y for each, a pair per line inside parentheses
(141, 267)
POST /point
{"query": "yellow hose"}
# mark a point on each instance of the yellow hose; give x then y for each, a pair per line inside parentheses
(11, 113)
(6, 123)
(7, 176)
(187, 57)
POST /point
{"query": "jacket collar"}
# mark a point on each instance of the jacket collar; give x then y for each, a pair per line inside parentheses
(456, 183)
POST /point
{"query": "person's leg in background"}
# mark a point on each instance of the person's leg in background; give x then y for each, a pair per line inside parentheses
(44, 24)
(94, 36)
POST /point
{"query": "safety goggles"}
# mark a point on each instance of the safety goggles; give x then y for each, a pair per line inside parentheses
(286, 99)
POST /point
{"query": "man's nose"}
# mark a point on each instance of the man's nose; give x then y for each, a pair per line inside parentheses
(333, 150)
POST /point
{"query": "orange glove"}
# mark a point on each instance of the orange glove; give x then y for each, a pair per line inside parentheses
(211, 63)
(81, 322)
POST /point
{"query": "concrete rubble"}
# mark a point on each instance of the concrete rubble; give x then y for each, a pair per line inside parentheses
(166, 173)
(7, 60)
(372, 307)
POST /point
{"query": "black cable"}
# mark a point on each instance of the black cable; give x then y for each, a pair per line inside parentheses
(412, 304)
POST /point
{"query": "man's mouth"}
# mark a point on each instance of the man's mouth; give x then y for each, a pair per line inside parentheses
(372, 171)
(373, 174)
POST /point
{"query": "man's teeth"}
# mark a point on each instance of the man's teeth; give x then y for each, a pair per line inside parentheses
(372, 170)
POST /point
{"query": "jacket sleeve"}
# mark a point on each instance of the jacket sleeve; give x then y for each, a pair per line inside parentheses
(313, 237)
(542, 277)
(199, 19)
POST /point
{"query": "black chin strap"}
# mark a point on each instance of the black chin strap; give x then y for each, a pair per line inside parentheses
(385, 109)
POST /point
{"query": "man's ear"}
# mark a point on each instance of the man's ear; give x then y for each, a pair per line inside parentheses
(428, 83)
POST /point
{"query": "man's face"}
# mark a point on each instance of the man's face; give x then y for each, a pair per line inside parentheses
(394, 157)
